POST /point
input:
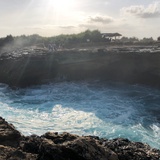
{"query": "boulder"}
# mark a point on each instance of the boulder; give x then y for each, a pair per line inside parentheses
(9, 136)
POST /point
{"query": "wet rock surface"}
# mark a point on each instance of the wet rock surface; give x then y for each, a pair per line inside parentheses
(66, 146)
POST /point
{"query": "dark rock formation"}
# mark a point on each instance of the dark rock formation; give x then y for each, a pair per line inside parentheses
(8, 134)
(10, 140)
(36, 66)
(65, 146)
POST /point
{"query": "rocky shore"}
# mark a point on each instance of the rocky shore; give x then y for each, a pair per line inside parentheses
(30, 66)
(66, 146)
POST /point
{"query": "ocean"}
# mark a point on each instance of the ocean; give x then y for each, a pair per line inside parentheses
(105, 109)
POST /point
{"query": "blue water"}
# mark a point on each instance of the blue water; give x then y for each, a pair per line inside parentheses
(107, 110)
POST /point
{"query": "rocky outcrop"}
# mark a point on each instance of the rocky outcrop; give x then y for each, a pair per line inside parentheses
(65, 146)
(10, 140)
(8, 134)
(36, 66)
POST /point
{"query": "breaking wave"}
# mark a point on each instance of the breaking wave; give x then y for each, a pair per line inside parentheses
(107, 110)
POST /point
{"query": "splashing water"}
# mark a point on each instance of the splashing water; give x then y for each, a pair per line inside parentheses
(85, 108)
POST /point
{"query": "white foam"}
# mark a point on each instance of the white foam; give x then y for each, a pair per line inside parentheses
(85, 109)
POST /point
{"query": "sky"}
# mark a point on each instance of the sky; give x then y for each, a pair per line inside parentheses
(131, 18)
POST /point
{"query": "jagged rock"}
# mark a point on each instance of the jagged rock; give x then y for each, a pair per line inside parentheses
(66, 146)
(9, 136)
(75, 147)
(53, 146)
(9, 153)
(58, 139)
(126, 149)
(31, 144)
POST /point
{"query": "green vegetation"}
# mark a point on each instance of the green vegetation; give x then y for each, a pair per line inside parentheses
(65, 40)
(6, 40)
(87, 37)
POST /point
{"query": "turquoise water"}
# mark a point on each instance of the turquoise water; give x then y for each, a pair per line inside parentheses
(107, 110)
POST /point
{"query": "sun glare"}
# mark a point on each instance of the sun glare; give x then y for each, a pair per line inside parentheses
(62, 5)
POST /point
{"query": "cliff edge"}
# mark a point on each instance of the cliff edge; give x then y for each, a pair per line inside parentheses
(31, 66)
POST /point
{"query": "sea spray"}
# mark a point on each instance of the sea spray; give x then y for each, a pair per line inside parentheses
(107, 110)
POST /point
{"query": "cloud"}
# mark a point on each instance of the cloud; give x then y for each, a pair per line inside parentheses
(101, 19)
(49, 26)
(87, 26)
(33, 27)
(151, 11)
(96, 21)
(66, 27)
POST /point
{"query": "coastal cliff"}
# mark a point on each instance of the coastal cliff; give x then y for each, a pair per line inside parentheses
(55, 146)
(28, 66)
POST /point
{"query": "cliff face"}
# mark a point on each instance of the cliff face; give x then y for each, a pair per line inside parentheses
(125, 67)
(116, 65)
(65, 146)
(27, 70)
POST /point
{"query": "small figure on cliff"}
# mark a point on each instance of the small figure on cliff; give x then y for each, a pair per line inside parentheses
(54, 47)
(50, 48)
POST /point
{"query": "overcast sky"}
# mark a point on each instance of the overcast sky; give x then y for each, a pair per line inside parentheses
(139, 18)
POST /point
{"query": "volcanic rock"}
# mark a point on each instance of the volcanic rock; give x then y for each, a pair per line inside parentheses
(66, 146)
(25, 67)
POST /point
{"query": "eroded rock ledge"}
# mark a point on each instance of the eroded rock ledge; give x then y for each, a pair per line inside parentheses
(32, 66)
(66, 146)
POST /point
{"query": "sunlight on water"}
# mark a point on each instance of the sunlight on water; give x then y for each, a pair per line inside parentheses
(95, 108)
